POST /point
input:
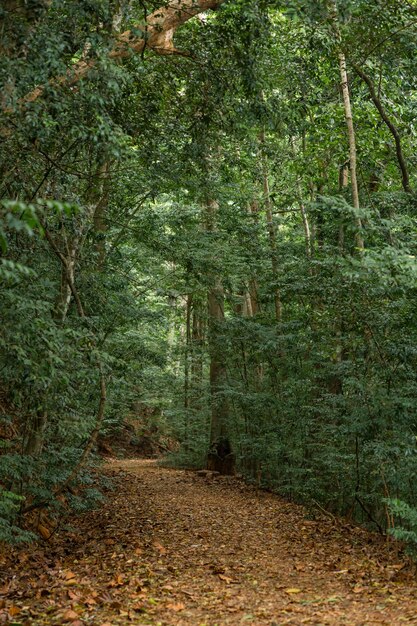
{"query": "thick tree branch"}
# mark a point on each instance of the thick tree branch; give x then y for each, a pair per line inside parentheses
(156, 34)
(68, 276)
(392, 128)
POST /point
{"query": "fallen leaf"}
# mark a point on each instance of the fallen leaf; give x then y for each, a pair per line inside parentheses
(14, 610)
(72, 595)
(226, 579)
(44, 531)
(159, 547)
(109, 542)
(70, 616)
(179, 606)
(292, 590)
(118, 581)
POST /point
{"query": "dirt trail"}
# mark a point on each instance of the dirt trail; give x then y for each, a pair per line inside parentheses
(174, 548)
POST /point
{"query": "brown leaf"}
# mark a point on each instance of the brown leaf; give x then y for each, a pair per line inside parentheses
(118, 581)
(69, 616)
(226, 579)
(72, 595)
(179, 606)
(44, 531)
(14, 610)
(159, 547)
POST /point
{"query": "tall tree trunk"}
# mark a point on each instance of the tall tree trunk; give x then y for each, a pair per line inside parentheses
(252, 290)
(344, 84)
(99, 202)
(102, 382)
(34, 436)
(343, 183)
(70, 248)
(187, 355)
(220, 457)
(270, 224)
(304, 216)
(64, 296)
(197, 340)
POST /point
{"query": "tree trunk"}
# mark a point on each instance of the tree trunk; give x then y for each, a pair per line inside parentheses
(99, 201)
(197, 340)
(187, 354)
(34, 439)
(343, 183)
(102, 382)
(220, 457)
(64, 297)
(344, 84)
(304, 216)
(270, 225)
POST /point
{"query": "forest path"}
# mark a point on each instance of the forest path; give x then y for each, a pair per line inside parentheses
(174, 548)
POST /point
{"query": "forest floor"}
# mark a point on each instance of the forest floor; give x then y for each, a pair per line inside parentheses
(172, 547)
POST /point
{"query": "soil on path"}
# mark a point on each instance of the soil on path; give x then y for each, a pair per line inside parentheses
(175, 548)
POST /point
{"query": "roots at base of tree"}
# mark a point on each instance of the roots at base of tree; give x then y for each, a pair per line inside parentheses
(220, 458)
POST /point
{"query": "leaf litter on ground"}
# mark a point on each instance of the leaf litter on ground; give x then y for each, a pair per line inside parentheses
(174, 547)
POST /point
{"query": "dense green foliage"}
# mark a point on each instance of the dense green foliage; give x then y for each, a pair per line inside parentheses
(155, 183)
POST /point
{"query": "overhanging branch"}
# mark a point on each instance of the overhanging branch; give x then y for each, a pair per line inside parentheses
(157, 34)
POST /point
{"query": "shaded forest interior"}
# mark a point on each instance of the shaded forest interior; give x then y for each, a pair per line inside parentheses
(213, 236)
